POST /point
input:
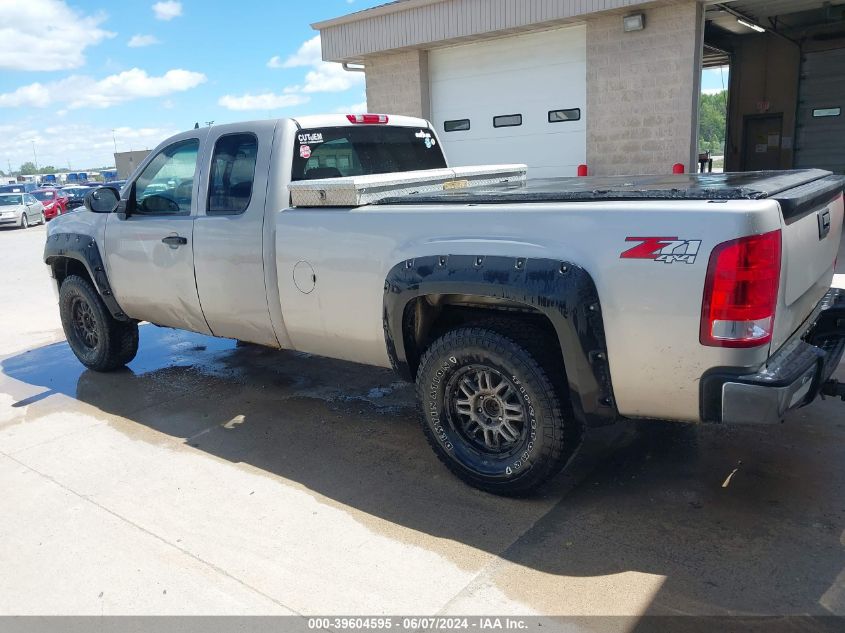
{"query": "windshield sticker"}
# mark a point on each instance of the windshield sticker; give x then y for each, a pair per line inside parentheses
(311, 137)
(304, 151)
(427, 138)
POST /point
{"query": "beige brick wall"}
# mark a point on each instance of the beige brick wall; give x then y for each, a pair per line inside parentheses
(397, 83)
(642, 87)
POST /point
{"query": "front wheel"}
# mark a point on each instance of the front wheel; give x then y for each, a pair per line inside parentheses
(24, 221)
(492, 413)
(98, 340)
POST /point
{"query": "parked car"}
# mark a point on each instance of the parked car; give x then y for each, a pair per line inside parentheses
(525, 312)
(20, 187)
(75, 195)
(20, 209)
(117, 184)
(54, 201)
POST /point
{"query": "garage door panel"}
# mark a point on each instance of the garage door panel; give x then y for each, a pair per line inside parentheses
(513, 53)
(819, 139)
(527, 74)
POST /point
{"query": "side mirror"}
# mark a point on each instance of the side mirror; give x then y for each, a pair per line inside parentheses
(102, 200)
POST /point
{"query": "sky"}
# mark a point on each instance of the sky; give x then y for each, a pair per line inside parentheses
(714, 80)
(78, 77)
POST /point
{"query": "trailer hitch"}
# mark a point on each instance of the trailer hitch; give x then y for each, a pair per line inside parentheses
(833, 388)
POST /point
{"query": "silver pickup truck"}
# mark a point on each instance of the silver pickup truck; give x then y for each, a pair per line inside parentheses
(526, 311)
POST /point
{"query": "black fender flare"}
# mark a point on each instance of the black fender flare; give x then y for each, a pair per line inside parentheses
(84, 249)
(564, 292)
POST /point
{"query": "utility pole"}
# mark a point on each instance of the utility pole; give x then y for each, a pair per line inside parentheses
(209, 123)
(113, 138)
(35, 156)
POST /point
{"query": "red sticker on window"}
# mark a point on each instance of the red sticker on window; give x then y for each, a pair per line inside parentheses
(305, 151)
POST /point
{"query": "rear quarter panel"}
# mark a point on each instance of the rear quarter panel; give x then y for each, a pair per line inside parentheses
(651, 309)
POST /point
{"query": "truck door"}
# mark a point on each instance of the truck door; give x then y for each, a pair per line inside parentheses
(149, 254)
(229, 234)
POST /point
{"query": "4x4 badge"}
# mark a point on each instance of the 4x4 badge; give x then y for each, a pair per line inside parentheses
(663, 249)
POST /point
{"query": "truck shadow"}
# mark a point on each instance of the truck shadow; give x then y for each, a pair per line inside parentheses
(768, 540)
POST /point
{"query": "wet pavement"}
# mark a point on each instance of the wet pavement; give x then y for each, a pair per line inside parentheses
(210, 477)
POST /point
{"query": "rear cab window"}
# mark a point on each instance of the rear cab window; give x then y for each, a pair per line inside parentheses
(332, 152)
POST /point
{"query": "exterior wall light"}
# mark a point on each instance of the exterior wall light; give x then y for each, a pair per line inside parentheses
(634, 22)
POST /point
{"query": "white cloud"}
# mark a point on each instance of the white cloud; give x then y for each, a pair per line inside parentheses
(330, 77)
(323, 76)
(309, 54)
(355, 108)
(34, 95)
(139, 41)
(46, 35)
(83, 146)
(266, 101)
(167, 10)
(81, 91)
(712, 91)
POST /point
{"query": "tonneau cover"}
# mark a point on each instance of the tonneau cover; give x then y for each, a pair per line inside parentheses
(794, 190)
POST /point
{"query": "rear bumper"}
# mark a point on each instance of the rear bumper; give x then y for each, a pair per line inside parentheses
(791, 378)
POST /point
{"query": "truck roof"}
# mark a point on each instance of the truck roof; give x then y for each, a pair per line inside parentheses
(793, 189)
(339, 120)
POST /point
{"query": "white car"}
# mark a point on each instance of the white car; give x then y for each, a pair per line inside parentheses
(20, 209)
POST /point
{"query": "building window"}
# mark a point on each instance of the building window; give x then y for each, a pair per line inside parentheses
(232, 174)
(507, 120)
(559, 116)
(458, 125)
(822, 112)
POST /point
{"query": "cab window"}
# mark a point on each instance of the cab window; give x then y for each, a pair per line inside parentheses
(331, 152)
(232, 174)
(166, 185)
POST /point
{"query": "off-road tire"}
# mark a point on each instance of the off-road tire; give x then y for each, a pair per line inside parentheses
(551, 434)
(98, 340)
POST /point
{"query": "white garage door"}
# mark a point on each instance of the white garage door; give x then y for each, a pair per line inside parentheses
(518, 99)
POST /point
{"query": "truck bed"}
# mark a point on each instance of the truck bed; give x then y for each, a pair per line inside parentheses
(795, 190)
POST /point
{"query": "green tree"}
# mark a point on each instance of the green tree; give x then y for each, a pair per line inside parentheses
(712, 120)
(28, 168)
(47, 169)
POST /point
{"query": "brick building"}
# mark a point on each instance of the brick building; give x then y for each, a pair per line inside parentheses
(611, 83)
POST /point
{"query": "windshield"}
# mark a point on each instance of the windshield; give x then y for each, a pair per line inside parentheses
(367, 149)
(10, 200)
(42, 196)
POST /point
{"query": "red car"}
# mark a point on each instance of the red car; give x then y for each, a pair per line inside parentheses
(54, 201)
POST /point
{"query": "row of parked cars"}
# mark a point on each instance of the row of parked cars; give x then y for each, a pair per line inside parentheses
(23, 205)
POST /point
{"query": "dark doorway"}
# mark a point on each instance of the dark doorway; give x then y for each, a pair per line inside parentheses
(761, 142)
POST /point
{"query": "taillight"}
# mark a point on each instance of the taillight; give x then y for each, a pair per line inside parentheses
(367, 118)
(741, 291)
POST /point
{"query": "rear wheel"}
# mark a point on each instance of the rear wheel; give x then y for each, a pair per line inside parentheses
(98, 340)
(492, 412)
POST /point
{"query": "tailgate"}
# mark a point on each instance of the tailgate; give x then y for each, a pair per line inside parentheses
(812, 216)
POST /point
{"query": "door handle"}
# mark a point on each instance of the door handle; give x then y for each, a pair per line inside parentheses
(174, 240)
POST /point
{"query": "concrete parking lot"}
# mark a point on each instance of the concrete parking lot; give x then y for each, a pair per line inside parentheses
(212, 478)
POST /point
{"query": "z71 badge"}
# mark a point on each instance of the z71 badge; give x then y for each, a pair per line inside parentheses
(663, 249)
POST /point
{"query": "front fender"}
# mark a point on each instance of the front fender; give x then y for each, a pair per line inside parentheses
(84, 249)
